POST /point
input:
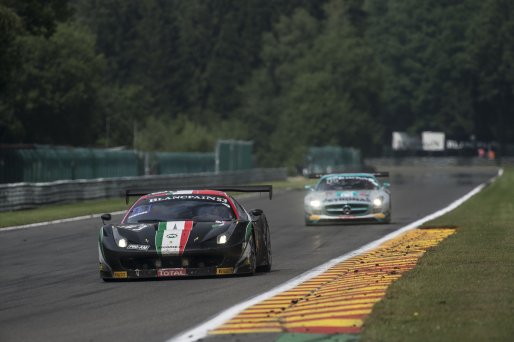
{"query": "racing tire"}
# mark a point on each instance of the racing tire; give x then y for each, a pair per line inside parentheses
(309, 222)
(269, 258)
(253, 255)
(387, 219)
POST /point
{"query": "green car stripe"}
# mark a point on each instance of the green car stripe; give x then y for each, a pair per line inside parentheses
(249, 230)
(158, 236)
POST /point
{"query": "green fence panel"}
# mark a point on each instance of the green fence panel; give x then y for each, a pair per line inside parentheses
(41, 163)
(109, 163)
(83, 165)
(182, 162)
(11, 166)
(234, 155)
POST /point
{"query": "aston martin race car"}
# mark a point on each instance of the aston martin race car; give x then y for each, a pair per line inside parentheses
(186, 233)
(347, 197)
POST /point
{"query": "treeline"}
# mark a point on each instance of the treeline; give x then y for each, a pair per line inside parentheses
(175, 75)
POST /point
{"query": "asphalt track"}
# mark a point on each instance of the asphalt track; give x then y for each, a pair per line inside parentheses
(50, 289)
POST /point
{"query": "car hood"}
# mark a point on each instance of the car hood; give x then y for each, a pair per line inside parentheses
(345, 196)
(173, 237)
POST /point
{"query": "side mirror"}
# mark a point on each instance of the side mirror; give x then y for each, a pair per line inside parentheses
(256, 212)
(106, 217)
(309, 187)
(387, 185)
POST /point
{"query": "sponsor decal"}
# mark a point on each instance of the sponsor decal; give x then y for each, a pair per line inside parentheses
(101, 267)
(224, 270)
(171, 272)
(380, 216)
(119, 274)
(314, 217)
(218, 199)
(346, 179)
(134, 227)
(171, 237)
(347, 199)
(138, 247)
(141, 210)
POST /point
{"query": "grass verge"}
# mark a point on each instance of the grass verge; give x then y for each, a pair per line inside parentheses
(463, 289)
(62, 211)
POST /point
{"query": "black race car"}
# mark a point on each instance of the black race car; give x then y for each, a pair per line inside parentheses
(183, 233)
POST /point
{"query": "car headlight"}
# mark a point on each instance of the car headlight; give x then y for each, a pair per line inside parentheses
(222, 239)
(377, 202)
(315, 204)
(122, 242)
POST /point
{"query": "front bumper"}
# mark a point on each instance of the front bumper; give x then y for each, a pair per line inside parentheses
(169, 273)
(118, 263)
(314, 218)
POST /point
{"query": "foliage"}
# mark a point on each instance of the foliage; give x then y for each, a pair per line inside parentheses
(287, 74)
(58, 84)
(183, 135)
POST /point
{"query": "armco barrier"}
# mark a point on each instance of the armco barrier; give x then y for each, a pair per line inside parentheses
(30, 195)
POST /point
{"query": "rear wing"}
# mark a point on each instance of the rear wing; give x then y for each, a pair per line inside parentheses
(224, 188)
(384, 174)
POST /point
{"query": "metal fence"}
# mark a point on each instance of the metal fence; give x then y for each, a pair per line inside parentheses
(43, 163)
(166, 163)
(234, 155)
(30, 195)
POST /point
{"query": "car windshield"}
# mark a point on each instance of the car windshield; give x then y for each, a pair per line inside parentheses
(163, 210)
(346, 183)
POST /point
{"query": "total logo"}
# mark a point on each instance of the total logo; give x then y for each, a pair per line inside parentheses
(171, 272)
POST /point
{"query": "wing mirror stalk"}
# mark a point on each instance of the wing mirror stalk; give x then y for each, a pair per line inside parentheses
(106, 217)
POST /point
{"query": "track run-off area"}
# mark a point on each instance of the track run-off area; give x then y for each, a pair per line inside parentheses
(51, 290)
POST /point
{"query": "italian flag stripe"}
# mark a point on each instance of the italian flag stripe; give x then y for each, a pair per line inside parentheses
(188, 225)
(171, 237)
(158, 236)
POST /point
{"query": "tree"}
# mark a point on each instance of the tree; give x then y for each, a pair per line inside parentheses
(56, 97)
(493, 51)
(428, 69)
(320, 85)
(10, 26)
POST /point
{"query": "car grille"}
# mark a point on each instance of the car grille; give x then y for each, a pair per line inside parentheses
(171, 262)
(339, 209)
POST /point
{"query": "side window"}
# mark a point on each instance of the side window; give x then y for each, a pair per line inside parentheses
(240, 211)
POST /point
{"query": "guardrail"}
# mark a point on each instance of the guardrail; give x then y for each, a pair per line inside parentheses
(17, 196)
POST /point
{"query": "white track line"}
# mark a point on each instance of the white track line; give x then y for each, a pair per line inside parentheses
(41, 224)
(202, 330)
